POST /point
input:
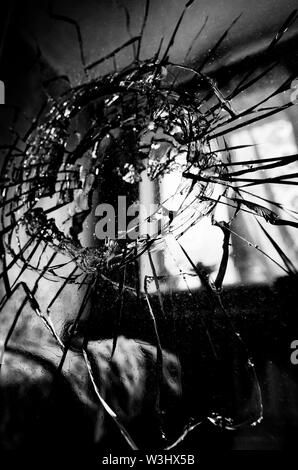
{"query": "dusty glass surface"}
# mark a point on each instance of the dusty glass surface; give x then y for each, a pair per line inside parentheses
(148, 222)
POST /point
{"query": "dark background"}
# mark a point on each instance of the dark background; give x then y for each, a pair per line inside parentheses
(35, 47)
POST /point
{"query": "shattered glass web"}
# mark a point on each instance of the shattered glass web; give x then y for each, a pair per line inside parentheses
(147, 119)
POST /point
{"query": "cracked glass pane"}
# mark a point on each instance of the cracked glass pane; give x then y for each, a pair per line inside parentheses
(148, 221)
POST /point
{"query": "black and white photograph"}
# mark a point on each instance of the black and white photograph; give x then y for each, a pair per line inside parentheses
(149, 231)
